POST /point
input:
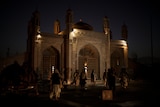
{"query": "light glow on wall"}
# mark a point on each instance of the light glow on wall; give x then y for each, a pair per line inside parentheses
(39, 37)
(123, 42)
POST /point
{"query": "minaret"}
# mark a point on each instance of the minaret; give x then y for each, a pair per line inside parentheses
(33, 31)
(69, 23)
(56, 26)
(124, 32)
(69, 20)
(125, 47)
(107, 32)
(106, 28)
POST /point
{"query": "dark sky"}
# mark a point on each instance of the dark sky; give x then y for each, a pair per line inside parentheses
(135, 14)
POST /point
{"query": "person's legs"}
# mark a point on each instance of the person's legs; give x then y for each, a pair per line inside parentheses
(53, 93)
(56, 91)
(59, 91)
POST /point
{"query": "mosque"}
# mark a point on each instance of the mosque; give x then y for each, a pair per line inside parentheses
(77, 47)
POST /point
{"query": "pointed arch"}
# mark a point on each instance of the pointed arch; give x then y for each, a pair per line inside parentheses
(89, 55)
(117, 59)
(50, 58)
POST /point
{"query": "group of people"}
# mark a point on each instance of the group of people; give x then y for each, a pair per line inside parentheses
(124, 78)
(79, 78)
(110, 78)
(56, 83)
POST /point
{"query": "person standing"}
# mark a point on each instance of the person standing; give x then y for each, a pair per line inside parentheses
(55, 84)
(93, 77)
(75, 78)
(83, 79)
(105, 78)
(111, 79)
(124, 78)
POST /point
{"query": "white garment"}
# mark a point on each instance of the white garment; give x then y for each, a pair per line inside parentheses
(56, 91)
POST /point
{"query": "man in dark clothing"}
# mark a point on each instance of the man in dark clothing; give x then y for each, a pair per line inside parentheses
(93, 77)
(55, 84)
(105, 78)
(111, 80)
(83, 79)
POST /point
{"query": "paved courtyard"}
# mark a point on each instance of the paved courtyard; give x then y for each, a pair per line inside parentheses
(138, 94)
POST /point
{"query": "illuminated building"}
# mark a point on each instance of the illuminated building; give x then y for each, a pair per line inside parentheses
(77, 47)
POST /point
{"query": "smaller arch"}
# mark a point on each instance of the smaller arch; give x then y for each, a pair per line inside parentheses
(117, 59)
(50, 58)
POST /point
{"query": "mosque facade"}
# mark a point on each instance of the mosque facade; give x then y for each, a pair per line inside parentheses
(77, 47)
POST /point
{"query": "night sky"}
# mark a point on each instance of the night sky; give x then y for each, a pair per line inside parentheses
(135, 14)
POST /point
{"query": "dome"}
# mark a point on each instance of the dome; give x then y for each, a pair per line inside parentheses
(82, 25)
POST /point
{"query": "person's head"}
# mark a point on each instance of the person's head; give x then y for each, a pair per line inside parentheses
(112, 68)
(109, 69)
(56, 71)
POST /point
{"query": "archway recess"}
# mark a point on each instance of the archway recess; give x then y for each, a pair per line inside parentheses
(89, 57)
(50, 61)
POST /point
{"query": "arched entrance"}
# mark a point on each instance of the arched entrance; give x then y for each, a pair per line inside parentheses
(117, 60)
(89, 55)
(50, 61)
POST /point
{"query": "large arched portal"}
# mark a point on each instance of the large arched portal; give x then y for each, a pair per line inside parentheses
(50, 61)
(89, 56)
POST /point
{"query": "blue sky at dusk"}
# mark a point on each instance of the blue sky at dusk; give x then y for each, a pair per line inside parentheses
(135, 14)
